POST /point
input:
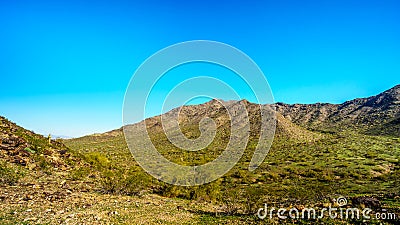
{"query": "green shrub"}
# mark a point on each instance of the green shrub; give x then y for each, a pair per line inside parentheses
(210, 192)
(79, 173)
(30, 150)
(252, 199)
(134, 182)
(44, 165)
(97, 160)
(231, 200)
(9, 175)
(118, 181)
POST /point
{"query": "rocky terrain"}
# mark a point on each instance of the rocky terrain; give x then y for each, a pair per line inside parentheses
(27, 149)
(378, 114)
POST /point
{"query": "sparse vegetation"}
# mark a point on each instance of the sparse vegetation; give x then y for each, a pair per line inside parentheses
(9, 174)
(96, 180)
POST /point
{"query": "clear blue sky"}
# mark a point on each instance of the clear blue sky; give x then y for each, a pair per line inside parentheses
(65, 65)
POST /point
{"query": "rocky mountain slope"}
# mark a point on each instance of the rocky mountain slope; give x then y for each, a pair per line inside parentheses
(378, 115)
(189, 118)
(375, 115)
(30, 150)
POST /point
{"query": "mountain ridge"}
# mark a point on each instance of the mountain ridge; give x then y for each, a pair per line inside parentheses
(376, 115)
(365, 114)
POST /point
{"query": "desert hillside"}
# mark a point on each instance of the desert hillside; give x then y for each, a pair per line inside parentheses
(320, 152)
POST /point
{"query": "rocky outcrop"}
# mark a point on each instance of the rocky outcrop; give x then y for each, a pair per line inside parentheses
(25, 148)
